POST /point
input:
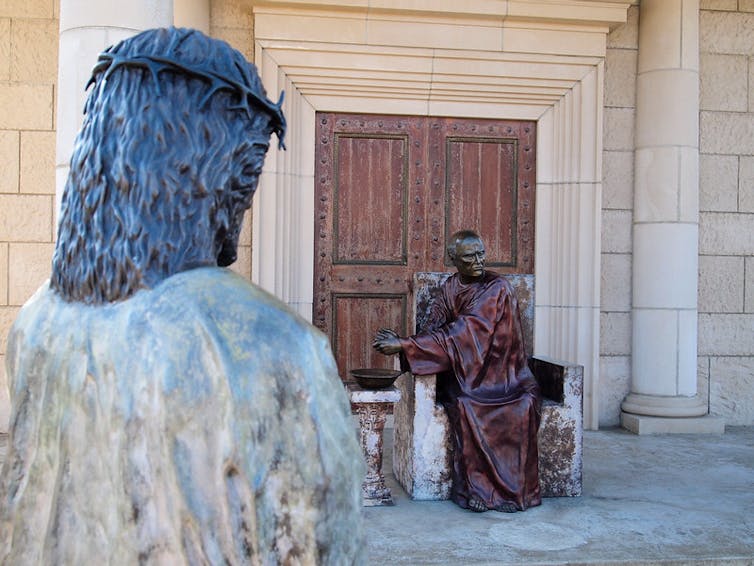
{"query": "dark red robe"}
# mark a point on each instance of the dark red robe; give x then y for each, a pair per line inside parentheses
(475, 345)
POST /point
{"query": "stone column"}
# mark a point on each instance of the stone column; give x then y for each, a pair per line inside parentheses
(663, 394)
(87, 27)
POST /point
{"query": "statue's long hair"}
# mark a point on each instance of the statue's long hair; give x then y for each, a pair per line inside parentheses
(149, 189)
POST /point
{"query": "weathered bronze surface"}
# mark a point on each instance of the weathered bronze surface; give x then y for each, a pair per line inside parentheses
(475, 344)
(164, 409)
(374, 378)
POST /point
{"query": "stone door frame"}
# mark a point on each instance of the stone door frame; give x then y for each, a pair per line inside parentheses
(525, 66)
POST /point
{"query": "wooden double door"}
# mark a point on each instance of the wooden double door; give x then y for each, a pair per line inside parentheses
(389, 192)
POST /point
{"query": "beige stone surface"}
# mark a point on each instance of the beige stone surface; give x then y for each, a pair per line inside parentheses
(702, 378)
(533, 39)
(723, 82)
(38, 162)
(25, 218)
(746, 5)
(620, 78)
(242, 265)
(618, 129)
(26, 107)
(618, 179)
(626, 36)
(751, 84)
(9, 153)
(7, 316)
(722, 233)
(657, 337)
(351, 29)
(732, 389)
(614, 385)
(29, 266)
(726, 334)
(726, 32)
(240, 38)
(721, 284)
(665, 255)
(746, 183)
(192, 14)
(615, 334)
(615, 288)
(616, 231)
(674, 120)
(27, 8)
(658, 184)
(34, 51)
(231, 13)
(729, 5)
(661, 37)
(122, 18)
(749, 285)
(244, 238)
(718, 183)
(4, 397)
(643, 425)
(726, 133)
(3, 273)
(4, 49)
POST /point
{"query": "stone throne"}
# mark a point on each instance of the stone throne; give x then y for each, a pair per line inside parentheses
(421, 446)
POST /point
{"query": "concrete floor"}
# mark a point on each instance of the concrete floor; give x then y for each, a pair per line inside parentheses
(671, 500)
(680, 499)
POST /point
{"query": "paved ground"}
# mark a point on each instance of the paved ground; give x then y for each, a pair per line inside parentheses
(670, 500)
(679, 499)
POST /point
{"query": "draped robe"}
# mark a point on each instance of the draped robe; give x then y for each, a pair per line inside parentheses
(475, 344)
(199, 422)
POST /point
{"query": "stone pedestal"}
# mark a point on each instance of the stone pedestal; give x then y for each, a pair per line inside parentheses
(372, 407)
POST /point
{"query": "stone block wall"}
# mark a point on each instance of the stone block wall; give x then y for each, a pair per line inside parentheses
(726, 203)
(28, 76)
(617, 213)
(233, 21)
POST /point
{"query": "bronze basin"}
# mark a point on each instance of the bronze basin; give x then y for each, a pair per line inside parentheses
(374, 378)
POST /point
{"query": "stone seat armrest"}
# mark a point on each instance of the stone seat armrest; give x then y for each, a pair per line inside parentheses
(560, 382)
(561, 429)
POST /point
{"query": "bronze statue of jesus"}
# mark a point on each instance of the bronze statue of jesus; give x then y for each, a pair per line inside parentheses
(475, 345)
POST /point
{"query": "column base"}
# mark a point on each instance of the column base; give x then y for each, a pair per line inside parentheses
(642, 424)
(663, 406)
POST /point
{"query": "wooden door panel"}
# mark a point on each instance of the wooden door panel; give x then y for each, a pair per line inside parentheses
(490, 180)
(389, 192)
(370, 199)
(356, 319)
(481, 191)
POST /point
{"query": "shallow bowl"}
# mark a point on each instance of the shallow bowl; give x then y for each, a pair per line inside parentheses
(374, 378)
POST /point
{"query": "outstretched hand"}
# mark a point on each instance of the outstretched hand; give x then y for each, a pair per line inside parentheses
(387, 342)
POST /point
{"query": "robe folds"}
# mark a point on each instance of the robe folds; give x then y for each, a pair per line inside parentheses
(198, 422)
(474, 343)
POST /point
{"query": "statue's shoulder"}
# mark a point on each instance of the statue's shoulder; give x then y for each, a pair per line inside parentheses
(498, 282)
(231, 304)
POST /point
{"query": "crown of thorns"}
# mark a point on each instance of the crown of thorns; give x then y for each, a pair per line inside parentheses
(248, 96)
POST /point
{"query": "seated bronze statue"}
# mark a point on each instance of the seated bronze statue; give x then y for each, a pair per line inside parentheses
(164, 409)
(475, 345)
